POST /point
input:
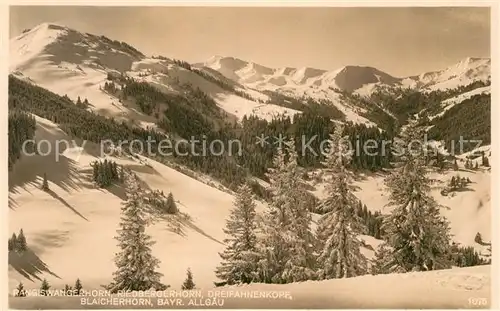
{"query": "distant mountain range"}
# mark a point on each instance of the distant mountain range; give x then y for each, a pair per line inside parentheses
(73, 63)
(348, 78)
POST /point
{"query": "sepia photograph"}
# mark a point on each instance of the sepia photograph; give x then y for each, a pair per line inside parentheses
(249, 157)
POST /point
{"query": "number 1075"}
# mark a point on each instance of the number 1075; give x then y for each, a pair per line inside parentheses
(478, 301)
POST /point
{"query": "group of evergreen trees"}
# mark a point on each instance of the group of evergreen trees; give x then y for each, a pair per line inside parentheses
(310, 131)
(82, 104)
(470, 166)
(45, 287)
(284, 251)
(21, 128)
(191, 114)
(163, 204)
(471, 120)
(104, 173)
(110, 87)
(18, 243)
(465, 256)
(457, 182)
(371, 221)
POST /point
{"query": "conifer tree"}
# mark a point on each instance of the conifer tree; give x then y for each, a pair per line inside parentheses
(170, 206)
(21, 242)
(20, 290)
(453, 182)
(188, 283)
(78, 287)
(44, 288)
(45, 184)
(485, 161)
(67, 289)
(340, 255)
(239, 258)
(14, 242)
(478, 238)
(136, 266)
(382, 263)
(417, 233)
(287, 244)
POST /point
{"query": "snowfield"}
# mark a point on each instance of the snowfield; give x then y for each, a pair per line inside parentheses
(70, 63)
(446, 289)
(77, 218)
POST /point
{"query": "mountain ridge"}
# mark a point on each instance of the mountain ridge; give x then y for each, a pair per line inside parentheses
(56, 56)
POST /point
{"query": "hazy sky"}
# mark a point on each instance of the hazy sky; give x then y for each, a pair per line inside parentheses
(400, 41)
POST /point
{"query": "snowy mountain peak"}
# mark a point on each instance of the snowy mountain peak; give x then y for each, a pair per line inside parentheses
(59, 44)
(464, 72)
(350, 78)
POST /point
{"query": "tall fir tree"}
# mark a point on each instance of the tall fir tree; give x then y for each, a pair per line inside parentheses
(22, 245)
(44, 288)
(12, 242)
(382, 262)
(239, 258)
(78, 287)
(418, 235)
(188, 283)
(340, 255)
(136, 266)
(287, 243)
(485, 161)
(20, 290)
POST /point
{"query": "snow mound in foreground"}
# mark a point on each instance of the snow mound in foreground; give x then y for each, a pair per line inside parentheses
(452, 288)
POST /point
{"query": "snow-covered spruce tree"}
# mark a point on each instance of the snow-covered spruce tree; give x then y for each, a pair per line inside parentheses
(170, 206)
(44, 288)
(382, 262)
(286, 245)
(340, 255)
(22, 245)
(188, 283)
(20, 290)
(416, 232)
(78, 287)
(136, 266)
(14, 242)
(240, 256)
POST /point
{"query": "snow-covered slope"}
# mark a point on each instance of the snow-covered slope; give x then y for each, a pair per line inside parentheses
(463, 288)
(76, 64)
(464, 72)
(468, 212)
(62, 225)
(451, 102)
